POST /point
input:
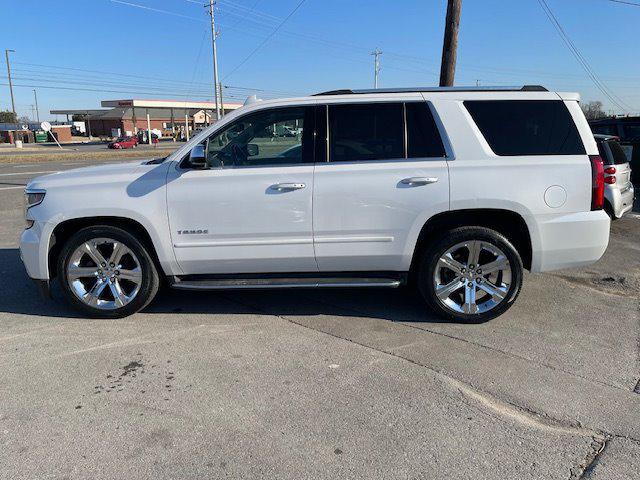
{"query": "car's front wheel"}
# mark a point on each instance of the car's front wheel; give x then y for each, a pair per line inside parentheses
(106, 272)
(470, 274)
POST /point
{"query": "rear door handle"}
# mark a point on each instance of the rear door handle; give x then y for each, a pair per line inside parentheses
(285, 187)
(417, 181)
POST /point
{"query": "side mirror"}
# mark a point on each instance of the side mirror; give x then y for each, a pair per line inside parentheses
(253, 150)
(198, 157)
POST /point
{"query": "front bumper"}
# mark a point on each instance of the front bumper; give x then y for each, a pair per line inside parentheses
(34, 250)
(43, 285)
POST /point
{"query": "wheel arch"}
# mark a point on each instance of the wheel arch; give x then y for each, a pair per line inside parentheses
(65, 229)
(507, 222)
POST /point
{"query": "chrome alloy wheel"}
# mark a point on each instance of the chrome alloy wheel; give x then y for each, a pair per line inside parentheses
(104, 273)
(472, 277)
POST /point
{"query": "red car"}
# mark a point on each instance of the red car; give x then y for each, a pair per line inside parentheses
(124, 142)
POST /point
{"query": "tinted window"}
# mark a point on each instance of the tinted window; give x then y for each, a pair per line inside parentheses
(270, 137)
(631, 133)
(605, 129)
(366, 132)
(526, 127)
(423, 138)
(617, 153)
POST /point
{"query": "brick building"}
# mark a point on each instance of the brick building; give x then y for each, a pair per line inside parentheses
(126, 117)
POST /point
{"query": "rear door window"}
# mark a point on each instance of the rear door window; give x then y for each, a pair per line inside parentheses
(359, 132)
(526, 127)
(423, 138)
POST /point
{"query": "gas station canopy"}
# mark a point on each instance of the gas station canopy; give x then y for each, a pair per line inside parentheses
(138, 103)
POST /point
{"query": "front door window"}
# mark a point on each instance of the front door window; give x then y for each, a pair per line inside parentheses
(270, 137)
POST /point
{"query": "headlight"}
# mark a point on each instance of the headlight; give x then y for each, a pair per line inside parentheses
(33, 198)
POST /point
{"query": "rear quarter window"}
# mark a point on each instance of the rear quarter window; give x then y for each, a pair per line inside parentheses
(526, 127)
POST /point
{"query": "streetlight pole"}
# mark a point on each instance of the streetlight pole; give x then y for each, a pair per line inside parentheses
(215, 57)
(35, 96)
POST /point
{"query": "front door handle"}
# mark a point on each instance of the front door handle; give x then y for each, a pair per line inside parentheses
(417, 181)
(285, 187)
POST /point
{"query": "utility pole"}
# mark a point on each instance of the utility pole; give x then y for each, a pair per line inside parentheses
(35, 96)
(450, 44)
(376, 66)
(13, 104)
(215, 56)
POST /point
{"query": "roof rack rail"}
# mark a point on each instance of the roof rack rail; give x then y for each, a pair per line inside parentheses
(346, 91)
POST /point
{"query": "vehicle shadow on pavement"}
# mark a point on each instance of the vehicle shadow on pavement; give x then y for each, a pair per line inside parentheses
(19, 293)
(20, 296)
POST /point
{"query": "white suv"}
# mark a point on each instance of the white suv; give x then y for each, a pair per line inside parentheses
(454, 190)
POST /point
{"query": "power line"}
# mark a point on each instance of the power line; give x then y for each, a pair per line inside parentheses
(101, 74)
(254, 51)
(583, 62)
(625, 2)
(157, 10)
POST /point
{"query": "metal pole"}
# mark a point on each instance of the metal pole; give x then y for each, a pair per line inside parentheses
(215, 56)
(13, 104)
(88, 122)
(134, 119)
(376, 66)
(148, 128)
(221, 102)
(186, 126)
(450, 43)
(35, 95)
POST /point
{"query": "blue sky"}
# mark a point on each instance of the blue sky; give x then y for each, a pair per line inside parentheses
(88, 50)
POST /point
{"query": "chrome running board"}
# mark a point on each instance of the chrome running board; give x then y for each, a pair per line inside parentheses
(292, 282)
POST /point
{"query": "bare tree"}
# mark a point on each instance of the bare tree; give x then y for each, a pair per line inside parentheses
(593, 110)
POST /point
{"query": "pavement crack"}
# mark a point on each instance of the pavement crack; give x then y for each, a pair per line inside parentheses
(522, 415)
(504, 409)
(597, 448)
(486, 347)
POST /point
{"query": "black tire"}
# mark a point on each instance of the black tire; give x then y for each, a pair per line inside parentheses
(150, 279)
(429, 261)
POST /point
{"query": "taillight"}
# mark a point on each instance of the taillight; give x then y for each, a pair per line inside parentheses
(597, 182)
(610, 170)
(610, 180)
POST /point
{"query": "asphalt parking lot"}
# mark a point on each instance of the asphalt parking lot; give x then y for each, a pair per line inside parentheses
(322, 384)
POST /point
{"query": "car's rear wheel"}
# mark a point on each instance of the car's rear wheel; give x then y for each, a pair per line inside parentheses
(106, 272)
(470, 274)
